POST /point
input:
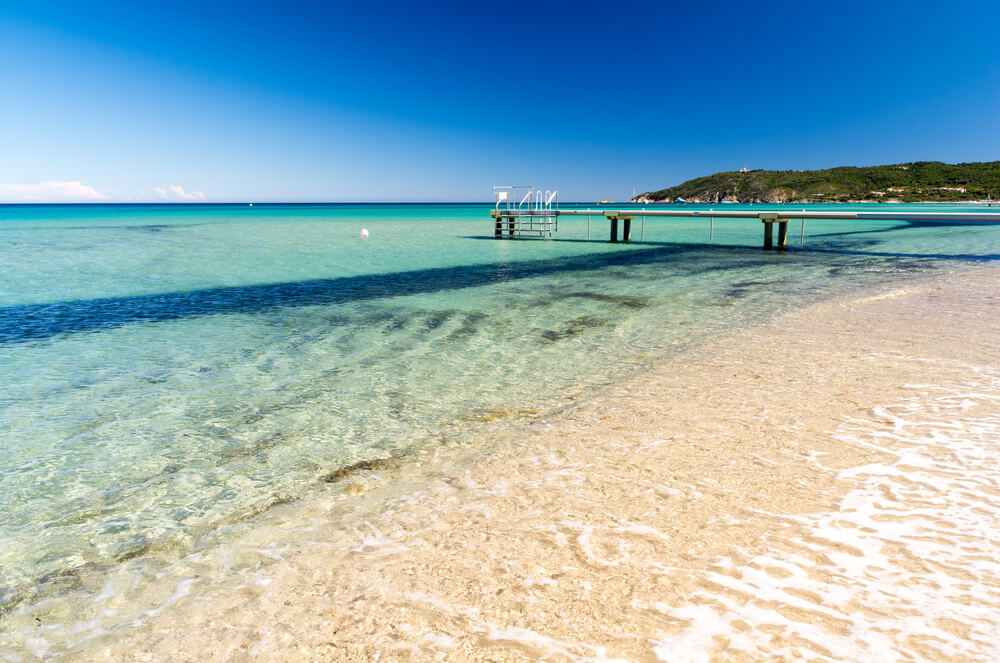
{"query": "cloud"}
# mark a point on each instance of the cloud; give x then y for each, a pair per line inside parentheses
(175, 192)
(49, 192)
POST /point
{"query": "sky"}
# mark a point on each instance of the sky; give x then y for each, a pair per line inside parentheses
(404, 101)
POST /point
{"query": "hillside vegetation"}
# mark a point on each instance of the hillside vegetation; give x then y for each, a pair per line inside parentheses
(922, 181)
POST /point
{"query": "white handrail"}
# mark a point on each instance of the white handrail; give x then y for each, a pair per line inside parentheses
(534, 200)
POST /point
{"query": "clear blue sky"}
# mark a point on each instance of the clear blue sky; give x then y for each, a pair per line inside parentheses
(404, 101)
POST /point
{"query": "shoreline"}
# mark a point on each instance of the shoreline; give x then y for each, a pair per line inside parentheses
(576, 542)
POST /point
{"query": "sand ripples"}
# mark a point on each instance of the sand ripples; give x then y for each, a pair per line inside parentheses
(905, 569)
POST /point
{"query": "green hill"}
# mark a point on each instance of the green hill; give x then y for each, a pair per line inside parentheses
(921, 181)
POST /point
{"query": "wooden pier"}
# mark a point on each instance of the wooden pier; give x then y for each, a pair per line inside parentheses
(541, 219)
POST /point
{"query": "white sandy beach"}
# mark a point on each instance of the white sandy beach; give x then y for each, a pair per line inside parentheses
(824, 487)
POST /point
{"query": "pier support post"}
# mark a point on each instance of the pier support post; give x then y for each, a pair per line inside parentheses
(614, 228)
(510, 226)
(782, 234)
(768, 219)
(627, 229)
(498, 229)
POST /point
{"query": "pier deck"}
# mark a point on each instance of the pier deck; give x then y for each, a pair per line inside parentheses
(512, 217)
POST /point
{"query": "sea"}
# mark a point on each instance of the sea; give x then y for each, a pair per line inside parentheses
(170, 375)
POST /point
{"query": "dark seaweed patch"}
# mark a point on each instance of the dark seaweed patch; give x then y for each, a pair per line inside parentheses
(373, 465)
(216, 431)
(264, 444)
(397, 322)
(259, 412)
(574, 327)
(136, 551)
(912, 266)
(626, 301)
(65, 579)
(10, 597)
(469, 326)
(277, 500)
(435, 319)
(496, 414)
(397, 401)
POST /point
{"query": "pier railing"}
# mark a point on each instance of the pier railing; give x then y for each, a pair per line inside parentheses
(525, 210)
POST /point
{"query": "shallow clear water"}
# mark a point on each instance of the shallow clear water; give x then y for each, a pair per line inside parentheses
(170, 370)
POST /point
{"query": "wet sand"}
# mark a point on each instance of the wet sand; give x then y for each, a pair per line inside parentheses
(823, 487)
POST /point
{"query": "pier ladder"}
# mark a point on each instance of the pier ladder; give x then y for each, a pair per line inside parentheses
(523, 210)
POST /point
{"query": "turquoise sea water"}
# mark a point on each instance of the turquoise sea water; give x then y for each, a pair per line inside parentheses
(168, 371)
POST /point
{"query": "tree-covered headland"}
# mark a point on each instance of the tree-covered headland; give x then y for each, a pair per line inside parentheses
(921, 181)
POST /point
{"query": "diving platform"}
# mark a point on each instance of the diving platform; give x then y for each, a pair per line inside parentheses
(524, 210)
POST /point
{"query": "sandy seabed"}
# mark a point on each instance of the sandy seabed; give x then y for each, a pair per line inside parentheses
(824, 487)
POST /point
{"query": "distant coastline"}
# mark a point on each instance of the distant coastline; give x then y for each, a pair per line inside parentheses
(917, 182)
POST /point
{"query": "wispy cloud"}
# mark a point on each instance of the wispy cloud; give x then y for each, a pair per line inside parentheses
(49, 192)
(175, 192)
